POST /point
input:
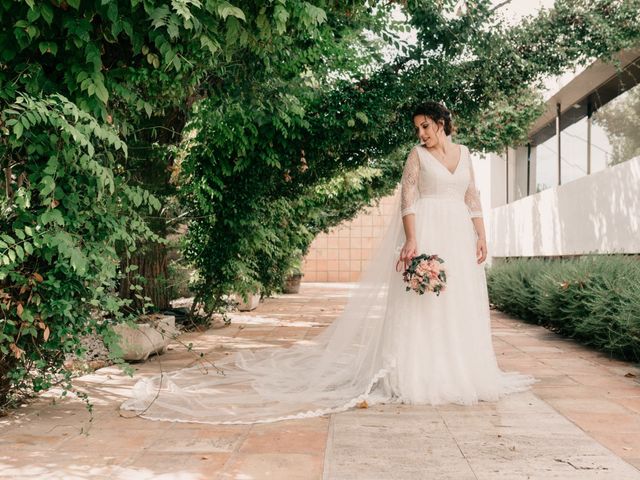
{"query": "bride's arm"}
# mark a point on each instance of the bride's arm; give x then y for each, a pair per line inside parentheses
(408, 196)
(472, 199)
(478, 224)
(410, 248)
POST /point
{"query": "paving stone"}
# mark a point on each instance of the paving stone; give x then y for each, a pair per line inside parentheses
(580, 422)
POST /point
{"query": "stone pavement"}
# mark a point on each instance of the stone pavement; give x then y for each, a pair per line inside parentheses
(581, 421)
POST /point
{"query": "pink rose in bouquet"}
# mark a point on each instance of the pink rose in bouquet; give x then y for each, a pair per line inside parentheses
(434, 266)
(425, 274)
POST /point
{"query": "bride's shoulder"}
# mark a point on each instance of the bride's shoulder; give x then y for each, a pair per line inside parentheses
(463, 148)
(414, 151)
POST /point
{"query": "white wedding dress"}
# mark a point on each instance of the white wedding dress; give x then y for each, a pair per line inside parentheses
(388, 345)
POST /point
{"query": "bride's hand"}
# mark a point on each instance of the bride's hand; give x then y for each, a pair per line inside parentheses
(481, 250)
(409, 250)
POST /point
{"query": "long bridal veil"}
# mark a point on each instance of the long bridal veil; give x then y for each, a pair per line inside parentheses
(339, 368)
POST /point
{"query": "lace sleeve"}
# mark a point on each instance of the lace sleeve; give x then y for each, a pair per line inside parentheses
(472, 196)
(409, 184)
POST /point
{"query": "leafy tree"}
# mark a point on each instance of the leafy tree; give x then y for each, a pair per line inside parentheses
(65, 213)
(254, 164)
(140, 65)
(131, 71)
(271, 121)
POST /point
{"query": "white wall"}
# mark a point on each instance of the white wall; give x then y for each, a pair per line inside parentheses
(597, 213)
(496, 181)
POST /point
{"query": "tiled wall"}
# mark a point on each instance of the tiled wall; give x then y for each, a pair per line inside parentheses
(340, 255)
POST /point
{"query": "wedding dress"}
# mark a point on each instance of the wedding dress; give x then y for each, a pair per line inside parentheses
(387, 346)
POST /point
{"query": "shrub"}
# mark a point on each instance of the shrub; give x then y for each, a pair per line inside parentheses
(594, 298)
(64, 215)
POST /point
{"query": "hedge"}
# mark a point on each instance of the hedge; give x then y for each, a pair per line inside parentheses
(594, 299)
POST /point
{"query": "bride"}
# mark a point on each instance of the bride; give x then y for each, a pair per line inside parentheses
(388, 345)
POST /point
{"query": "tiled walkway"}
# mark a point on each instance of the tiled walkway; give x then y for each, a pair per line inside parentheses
(581, 421)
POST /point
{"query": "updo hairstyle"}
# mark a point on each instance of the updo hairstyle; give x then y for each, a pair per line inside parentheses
(436, 112)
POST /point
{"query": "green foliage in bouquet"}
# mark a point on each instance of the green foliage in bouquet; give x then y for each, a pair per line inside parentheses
(594, 299)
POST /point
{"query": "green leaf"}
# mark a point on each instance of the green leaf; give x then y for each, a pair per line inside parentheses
(32, 31)
(281, 16)
(159, 16)
(112, 11)
(101, 92)
(317, 15)
(48, 47)
(173, 29)
(225, 9)
(74, 4)
(18, 129)
(362, 117)
(33, 14)
(47, 12)
(78, 261)
(52, 216)
(48, 185)
(52, 166)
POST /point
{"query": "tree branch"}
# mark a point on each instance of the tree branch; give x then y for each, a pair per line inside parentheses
(500, 5)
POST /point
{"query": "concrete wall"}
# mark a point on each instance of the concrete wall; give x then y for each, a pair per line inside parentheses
(597, 213)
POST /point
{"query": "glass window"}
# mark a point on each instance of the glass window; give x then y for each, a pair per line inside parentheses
(616, 130)
(600, 147)
(547, 164)
(574, 151)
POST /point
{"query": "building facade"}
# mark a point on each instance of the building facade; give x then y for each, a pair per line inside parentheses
(574, 188)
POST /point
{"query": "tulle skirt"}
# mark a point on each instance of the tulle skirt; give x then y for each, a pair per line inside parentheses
(387, 346)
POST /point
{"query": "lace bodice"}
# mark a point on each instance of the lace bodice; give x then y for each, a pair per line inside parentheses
(424, 175)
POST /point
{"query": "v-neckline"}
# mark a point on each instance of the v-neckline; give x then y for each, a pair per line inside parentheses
(442, 164)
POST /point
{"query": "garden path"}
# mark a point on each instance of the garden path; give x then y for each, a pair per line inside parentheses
(581, 421)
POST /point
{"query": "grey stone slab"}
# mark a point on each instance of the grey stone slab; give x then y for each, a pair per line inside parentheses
(519, 437)
(385, 445)
(524, 456)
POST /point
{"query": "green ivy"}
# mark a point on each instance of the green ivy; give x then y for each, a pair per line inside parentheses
(66, 219)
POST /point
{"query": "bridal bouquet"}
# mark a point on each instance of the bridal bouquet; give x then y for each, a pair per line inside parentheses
(425, 274)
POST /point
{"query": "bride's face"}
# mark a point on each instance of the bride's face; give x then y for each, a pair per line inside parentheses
(428, 132)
